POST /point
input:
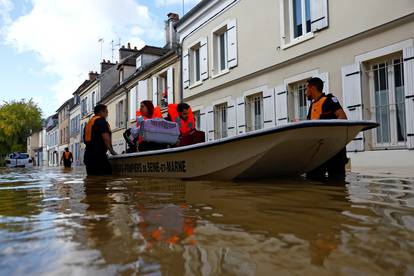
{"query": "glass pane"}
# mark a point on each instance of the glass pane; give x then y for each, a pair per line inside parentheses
(222, 42)
(297, 18)
(197, 65)
(400, 100)
(382, 104)
(308, 16)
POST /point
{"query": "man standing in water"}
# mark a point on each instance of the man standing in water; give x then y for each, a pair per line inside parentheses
(67, 158)
(326, 107)
(97, 138)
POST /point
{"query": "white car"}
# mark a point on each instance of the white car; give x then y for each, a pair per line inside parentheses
(19, 160)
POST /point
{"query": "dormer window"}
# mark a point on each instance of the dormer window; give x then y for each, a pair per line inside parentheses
(121, 75)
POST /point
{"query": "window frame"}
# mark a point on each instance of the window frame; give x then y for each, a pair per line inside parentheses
(220, 124)
(250, 112)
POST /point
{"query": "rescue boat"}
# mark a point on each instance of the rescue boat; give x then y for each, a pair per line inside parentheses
(288, 150)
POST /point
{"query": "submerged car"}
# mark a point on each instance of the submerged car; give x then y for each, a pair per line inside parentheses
(19, 160)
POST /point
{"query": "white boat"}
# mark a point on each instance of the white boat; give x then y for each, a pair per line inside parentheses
(292, 149)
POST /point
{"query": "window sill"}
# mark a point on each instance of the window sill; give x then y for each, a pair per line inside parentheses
(221, 73)
(297, 40)
(196, 84)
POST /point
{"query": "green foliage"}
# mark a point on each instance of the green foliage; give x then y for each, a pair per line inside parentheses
(18, 119)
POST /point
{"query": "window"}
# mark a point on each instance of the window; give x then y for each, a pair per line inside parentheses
(93, 99)
(195, 64)
(197, 119)
(220, 50)
(387, 99)
(220, 121)
(299, 103)
(301, 17)
(121, 75)
(120, 114)
(163, 90)
(254, 112)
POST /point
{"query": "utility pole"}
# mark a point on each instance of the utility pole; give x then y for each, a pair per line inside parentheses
(183, 7)
(101, 40)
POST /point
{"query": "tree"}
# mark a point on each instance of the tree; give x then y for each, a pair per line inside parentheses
(18, 119)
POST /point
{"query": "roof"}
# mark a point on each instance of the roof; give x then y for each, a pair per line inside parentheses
(68, 102)
(150, 50)
(191, 12)
(82, 86)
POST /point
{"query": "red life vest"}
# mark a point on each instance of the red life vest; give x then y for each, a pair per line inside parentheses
(185, 126)
(88, 128)
(67, 155)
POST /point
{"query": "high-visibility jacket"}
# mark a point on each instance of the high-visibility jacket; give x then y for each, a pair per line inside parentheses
(66, 155)
(157, 114)
(88, 129)
(185, 126)
(317, 108)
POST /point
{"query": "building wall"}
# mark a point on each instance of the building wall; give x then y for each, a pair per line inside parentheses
(118, 141)
(75, 138)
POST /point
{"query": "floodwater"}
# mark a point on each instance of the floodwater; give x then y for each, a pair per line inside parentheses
(57, 222)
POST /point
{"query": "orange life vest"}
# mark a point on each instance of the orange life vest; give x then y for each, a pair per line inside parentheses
(88, 128)
(67, 155)
(185, 126)
(316, 108)
(157, 114)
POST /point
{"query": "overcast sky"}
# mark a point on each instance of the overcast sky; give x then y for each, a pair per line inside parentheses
(47, 47)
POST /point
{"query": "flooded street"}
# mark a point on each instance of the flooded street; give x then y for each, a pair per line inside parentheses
(56, 222)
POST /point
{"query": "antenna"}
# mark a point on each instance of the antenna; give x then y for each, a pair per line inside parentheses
(183, 7)
(113, 45)
(101, 40)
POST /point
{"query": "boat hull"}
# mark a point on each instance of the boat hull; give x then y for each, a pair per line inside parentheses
(292, 149)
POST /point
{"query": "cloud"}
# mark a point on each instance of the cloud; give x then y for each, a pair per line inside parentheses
(64, 35)
(6, 6)
(164, 3)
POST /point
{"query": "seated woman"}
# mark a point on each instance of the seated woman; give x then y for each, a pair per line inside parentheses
(146, 111)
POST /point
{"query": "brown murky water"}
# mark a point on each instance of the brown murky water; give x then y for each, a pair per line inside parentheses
(56, 222)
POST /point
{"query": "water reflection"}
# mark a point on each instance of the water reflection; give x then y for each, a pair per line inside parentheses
(72, 224)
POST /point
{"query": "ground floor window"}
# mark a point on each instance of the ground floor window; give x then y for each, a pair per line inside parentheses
(197, 119)
(387, 99)
(299, 104)
(220, 121)
(254, 112)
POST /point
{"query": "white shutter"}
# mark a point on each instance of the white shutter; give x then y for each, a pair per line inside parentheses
(132, 103)
(352, 95)
(281, 98)
(210, 123)
(241, 115)
(186, 71)
(231, 118)
(155, 91)
(319, 14)
(408, 55)
(170, 85)
(203, 121)
(203, 58)
(142, 91)
(269, 108)
(232, 43)
(325, 78)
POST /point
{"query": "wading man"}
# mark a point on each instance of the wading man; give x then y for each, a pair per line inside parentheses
(67, 158)
(326, 107)
(97, 138)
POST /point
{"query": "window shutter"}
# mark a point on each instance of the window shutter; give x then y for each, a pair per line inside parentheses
(186, 72)
(155, 91)
(170, 85)
(241, 115)
(352, 95)
(408, 55)
(142, 91)
(319, 14)
(210, 123)
(232, 44)
(203, 58)
(269, 108)
(325, 78)
(203, 121)
(132, 103)
(281, 97)
(231, 118)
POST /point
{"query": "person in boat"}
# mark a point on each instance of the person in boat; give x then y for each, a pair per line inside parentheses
(67, 158)
(131, 135)
(326, 107)
(98, 141)
(183, 115)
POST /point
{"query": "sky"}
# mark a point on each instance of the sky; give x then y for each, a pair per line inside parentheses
(48, 47)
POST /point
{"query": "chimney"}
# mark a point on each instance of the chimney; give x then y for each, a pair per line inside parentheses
(171, 39)
(105, 65)
(93, 75)
(126, 51)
